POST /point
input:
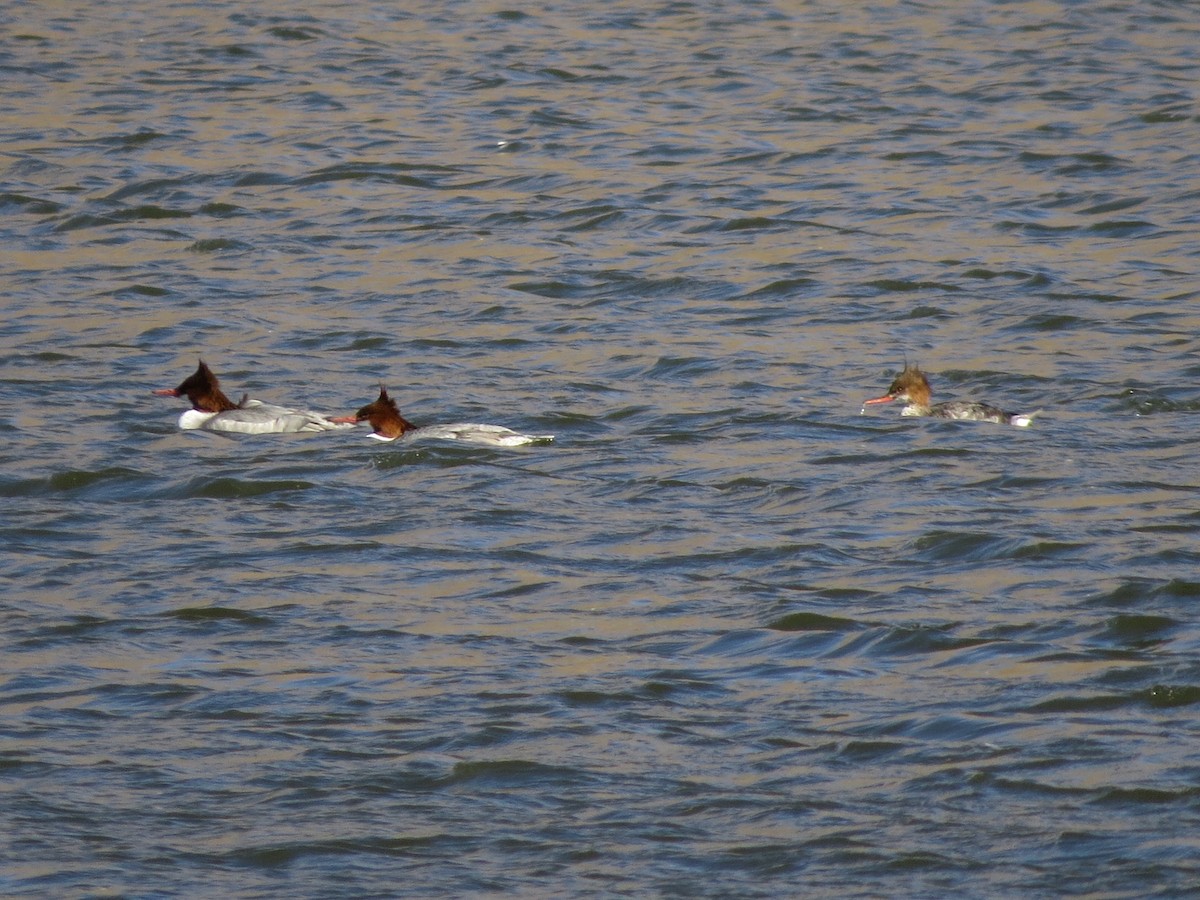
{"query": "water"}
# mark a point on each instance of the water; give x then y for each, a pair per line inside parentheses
(726, 636)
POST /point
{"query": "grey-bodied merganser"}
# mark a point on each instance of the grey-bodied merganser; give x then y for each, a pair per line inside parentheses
(912, 386)
(387, 425)
(213, 411)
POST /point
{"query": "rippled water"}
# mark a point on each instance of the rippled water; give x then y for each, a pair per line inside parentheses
(726, 636)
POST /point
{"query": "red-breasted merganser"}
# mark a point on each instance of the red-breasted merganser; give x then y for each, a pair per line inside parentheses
(388, 425)
(213, 411)
(912, 386)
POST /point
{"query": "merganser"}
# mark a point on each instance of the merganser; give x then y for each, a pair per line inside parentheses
(213, 411)
(912, 386)
(388, 425)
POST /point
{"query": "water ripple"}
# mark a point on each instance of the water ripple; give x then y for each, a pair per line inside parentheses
(728, 634)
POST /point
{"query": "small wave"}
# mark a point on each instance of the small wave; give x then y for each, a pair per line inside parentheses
(228, 488)
(809, 621)
(217, 614)
(110, 482)
(217, 245)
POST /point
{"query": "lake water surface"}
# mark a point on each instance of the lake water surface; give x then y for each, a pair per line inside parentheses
(727, 636)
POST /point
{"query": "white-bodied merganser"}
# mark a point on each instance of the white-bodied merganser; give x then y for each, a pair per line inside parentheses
(912, 386)
(388, 425)
(213, 411)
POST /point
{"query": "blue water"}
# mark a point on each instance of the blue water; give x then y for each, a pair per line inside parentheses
(728, 635)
